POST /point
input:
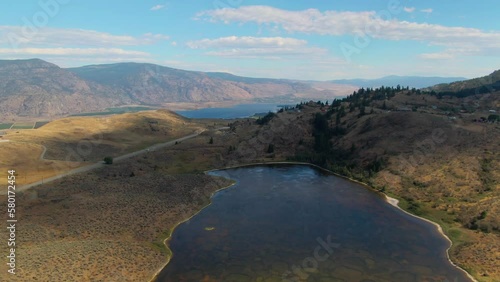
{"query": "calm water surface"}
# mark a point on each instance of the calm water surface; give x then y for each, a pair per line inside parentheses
(295, 223)
(238, 111)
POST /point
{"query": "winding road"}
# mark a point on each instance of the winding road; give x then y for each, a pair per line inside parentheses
(100, 164)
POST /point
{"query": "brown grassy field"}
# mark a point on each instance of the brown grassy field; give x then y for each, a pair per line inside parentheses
(25, 159)
(105, 225)
(113, 218)
(78, 141)
(109, 224)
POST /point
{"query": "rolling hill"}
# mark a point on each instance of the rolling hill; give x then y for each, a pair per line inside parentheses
(36, 88)
(480, 85)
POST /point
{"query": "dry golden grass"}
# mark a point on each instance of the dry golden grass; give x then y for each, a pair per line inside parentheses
(78, 141)
(108, 224)
(116, 134)
(25, 159)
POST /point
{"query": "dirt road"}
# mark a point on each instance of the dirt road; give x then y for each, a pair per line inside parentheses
(100, 163)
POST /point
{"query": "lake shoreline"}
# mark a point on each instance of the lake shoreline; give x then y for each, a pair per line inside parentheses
(394, 202)
(171, 231)
(390, 200)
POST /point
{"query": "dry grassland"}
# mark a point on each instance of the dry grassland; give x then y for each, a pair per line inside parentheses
(109, 224)
(78, 141)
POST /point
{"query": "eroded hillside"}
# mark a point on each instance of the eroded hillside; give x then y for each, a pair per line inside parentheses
(438, 155)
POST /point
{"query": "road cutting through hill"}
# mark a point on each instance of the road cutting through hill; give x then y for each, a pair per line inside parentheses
(101, 164)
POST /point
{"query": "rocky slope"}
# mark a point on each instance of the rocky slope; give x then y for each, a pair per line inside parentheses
(152, 84)
(35, 88)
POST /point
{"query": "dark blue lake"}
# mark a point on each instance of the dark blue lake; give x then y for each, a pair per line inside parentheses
(297, 223)
(238, 111)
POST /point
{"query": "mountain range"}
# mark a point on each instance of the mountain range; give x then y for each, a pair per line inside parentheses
(395, 80)
(38, 89)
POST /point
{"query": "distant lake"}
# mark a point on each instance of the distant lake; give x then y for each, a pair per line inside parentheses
(297, 223)
(238, 111)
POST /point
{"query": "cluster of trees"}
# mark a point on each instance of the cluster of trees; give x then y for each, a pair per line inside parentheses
(363, 98)
(483, 89)
(286, 108)
(324, 152)
(476, 223)
(266, 119)
(337, 159)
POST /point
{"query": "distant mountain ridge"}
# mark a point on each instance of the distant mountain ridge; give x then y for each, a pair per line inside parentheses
(36, 88)
(394, 80)
(153, 84)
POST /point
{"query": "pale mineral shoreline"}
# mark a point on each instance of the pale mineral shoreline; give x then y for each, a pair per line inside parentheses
(166, 240)
(392, 201)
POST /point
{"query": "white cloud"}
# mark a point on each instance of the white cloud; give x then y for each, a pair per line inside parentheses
(437, 56)
(72, 52)
(409, 9)
(153, 37)
(245, 41)
(157, 7)
(306, 21)
(336, 23)
(256, 47)
(428, 11)
(19, 36)
(460, 52)
(274, 53)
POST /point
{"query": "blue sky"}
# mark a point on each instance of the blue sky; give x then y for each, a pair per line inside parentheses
(319, 40)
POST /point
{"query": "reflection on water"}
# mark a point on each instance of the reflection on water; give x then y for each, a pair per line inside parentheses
(295, 223)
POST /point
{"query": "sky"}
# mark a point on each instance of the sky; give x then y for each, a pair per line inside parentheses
(311, 40)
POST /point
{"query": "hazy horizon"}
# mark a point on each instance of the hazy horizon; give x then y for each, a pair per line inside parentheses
(309, 40)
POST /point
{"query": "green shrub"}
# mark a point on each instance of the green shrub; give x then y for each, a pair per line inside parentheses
(266, 119)
(270, 149)
(108, 160)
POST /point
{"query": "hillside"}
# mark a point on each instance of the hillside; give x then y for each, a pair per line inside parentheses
(35, 88)
(153, 84)
(481, 85)
(395, 80)
(114, 217)
(71, 142)
(433, 155)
